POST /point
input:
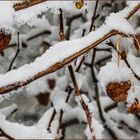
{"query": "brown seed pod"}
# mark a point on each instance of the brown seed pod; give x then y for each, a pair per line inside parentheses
(4, 41)
(137, 42)
(134, 108)
(118, 91)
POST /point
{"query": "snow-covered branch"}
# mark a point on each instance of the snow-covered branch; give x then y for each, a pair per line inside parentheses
(70, 50)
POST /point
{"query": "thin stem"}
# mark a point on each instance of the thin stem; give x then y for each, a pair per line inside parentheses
(95, 81)
(94, 15)
(55, 66)
(123, 56)
(69, 90)
(27, 4)
(6, 135)
(17, 52)
(110, 107)
(62, 36)
(83, 104)
(51, 120)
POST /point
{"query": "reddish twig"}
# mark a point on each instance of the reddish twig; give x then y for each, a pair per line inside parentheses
(94, 15)
(83, 104)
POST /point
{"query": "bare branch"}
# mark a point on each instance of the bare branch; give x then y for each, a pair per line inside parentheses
(82, 102)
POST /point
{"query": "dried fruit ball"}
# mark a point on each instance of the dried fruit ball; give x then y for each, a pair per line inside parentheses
(79, 4)
(134, 108)
(4, 41)
(118, 91)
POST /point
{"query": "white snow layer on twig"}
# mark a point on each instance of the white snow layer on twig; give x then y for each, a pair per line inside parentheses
(65, 49)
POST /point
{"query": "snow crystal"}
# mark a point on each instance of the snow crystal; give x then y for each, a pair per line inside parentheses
(58, 98)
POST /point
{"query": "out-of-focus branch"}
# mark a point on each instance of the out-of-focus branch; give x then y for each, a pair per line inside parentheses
(5, 135)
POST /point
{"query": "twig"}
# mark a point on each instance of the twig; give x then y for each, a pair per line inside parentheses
(17, 52)
(69, 90)
(102, 60)
(6, 135)
(129, 127)
(62, 36)
(83, 58)
(27, 4)
(123, 56)
(46, 32)
(95, 81)
(83, 104)
(52, 118)
(69, 23)
(65, 61)
(110, 107)
(94, 15)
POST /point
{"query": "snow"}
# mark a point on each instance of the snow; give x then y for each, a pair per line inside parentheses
(40, 85)
(8, 110)
(6, 17)
(113, 20)
(44, 120)
(37, 131)
(29, 15)
(111, 72)
(98, 130)
(49, 58)
(119, 133)
(58, 98)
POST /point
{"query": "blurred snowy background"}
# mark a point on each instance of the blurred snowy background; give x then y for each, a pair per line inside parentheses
(36, 36)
